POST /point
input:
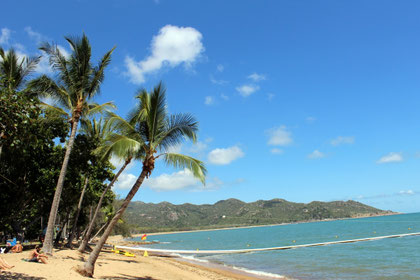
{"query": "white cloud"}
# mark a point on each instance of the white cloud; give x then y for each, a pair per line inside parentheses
(5, 36)
(38, 37)
(276, 151)
(257, 77)
(316, 154)
(217, 82)
(171, 47)
(220, 68)
(279, 136)
(175, 149)
(225, 156)
(342, 140)
(125, 181)
(310, 119)
(225, 97)
(175, 181)
(407, 192)
(391, 157)
(198, 147)
(247, 90)
(270, 96)
(209, 100)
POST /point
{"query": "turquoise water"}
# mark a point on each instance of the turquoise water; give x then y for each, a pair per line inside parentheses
(396, 258)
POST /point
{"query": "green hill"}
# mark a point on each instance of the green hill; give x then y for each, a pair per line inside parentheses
(165, 216)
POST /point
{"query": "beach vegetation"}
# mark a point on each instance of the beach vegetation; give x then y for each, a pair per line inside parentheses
(152, 133)
(77, 82)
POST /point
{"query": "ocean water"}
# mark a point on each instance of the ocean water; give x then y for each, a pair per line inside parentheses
(395, 258)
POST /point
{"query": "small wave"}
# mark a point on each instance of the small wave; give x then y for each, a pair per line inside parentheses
(192, 258)
(257, 272)
(165, 242)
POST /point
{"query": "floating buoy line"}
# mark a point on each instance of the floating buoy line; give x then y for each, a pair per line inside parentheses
(239, 251)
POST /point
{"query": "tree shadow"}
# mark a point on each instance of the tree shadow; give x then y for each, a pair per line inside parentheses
(8, 275)
(127, 277)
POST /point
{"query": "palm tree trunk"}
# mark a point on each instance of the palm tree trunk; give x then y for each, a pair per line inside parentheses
(89, 266)
(76, 218)
(85, 240)
(48, 241)
(99, 231)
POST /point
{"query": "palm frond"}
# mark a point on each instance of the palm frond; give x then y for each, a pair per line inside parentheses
(98, 73)
(182, 161)
(157, 113)
(177, 128)
(121, 146)
(94, 108)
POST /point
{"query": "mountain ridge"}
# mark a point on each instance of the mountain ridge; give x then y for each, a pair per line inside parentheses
(165, 216)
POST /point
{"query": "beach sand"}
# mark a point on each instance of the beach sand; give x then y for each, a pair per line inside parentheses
(113, 266)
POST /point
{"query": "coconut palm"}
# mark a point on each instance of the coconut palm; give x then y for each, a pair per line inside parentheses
(153, 131)
(77, 82)
(15, 70)
(121, 147)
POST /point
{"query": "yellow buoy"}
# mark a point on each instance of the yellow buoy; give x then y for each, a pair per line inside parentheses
(409, 228)
(336, 236)
(294, 241)
(145, 254)
(374, 232)
(247, 245)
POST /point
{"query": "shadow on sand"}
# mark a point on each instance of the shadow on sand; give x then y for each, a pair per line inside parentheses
(8, 275)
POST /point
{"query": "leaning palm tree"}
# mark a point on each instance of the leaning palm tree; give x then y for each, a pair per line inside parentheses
(121, 147)
(78, 81)
(15, 70)
(153, 131)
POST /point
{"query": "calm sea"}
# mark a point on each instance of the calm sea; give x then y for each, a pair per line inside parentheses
(396, 258)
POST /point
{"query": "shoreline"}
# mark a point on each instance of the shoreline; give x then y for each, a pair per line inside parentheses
(109, 265)
(119, 238)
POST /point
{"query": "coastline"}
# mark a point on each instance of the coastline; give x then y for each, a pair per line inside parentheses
(118, 238)
(114, 266)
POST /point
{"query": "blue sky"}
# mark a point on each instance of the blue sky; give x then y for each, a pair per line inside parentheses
(301, 100)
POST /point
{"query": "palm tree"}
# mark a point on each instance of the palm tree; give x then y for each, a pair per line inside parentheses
(153, 130)
(78, 81)
(15, 70)
(120, 146)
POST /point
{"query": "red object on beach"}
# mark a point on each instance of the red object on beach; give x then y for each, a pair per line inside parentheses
(144, 237)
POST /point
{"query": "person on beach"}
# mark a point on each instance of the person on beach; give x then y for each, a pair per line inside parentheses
(36, 256)
(4, 265)
(18, 248)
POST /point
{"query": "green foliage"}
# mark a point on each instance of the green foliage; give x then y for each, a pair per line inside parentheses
(149, 217)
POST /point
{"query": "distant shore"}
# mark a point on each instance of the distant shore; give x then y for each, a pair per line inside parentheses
(118, 239)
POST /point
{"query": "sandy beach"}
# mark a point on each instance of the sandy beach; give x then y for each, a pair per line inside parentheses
(113, 266)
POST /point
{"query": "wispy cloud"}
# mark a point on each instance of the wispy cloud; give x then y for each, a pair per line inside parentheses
(5, 35)
(224, 156)
(279, 136)
(224, 97)
(391, 157)
(316, 155)
(276, 151)
(171, 47)
(247, 90)
(310, 119)
(257, 77)
(342, 140)
(270, 96)
(218, 82)
(220, 68)
(209, 100)
(36, 36)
